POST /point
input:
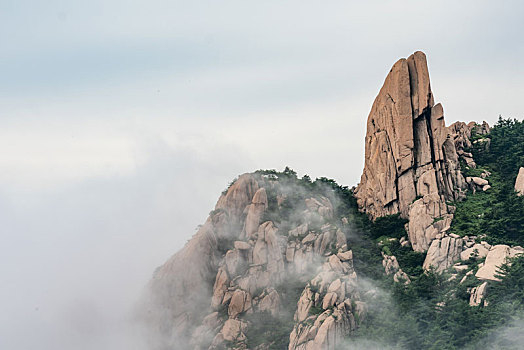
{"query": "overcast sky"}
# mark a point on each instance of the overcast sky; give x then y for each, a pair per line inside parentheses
(122, 121)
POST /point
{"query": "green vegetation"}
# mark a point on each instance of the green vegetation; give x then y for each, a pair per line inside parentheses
(498, 214)
(268, 329)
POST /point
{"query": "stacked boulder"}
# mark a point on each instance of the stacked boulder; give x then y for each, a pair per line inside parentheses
(329, 306)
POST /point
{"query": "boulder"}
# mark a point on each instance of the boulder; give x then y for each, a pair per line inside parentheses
(270, 302)
(478, 294)
(233, 330)
(495, 258)
(443, 253)
(390, 264)
(479, 181)
(478, 251)
(241, 245)
(240, 302)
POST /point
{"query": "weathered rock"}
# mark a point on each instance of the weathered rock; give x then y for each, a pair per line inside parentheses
(270, 303)
(240, 302)
(409, 151)
(519, 182)
(429, 216)
(478, 294)
(497, 256)
(345, 256)
(207, 330)
(220, 287)
(481, 129)
(233, 330)
(254, 212)
(404, 242)
(443, 253)
(322, 206)
(476, 251)
(411, 162)
(390, 264)
(479, 181)
(401, 277)
(235, 262)
(331, 291)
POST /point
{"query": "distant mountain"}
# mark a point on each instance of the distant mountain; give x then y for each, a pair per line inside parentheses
(425, 253)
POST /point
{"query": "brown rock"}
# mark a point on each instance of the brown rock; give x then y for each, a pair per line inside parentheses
(233, 330)
(496, 257)
(254, 212)
(220, 287)
(443, 253)
(240, 302)
(410, 153)
(270, 302)
(478, 294)
(423, 226)
(477, 250)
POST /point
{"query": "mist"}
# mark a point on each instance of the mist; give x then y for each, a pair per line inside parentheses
(76, 259)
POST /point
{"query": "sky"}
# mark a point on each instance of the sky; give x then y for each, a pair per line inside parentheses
(122, 121)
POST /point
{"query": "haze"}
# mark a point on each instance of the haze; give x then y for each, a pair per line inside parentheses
(121, 123)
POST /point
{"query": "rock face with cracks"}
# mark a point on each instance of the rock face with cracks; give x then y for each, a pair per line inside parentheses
(411, 160)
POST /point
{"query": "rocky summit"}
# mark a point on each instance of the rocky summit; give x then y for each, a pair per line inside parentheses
(412, 159)
(433, 227)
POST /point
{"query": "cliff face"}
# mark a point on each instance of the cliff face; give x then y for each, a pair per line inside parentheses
(270, 253)
(411, 160)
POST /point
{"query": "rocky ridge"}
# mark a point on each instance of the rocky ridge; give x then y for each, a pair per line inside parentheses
(260, 240)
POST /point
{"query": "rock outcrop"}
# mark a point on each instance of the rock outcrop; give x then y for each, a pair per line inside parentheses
(477, 294)
(328, 308)
(477, 251)
(235, 271)
(411, 161)
(519, 182)
(443, 253)
(496, 257)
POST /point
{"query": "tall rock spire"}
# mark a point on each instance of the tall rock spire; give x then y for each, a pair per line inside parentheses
(409, 152)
